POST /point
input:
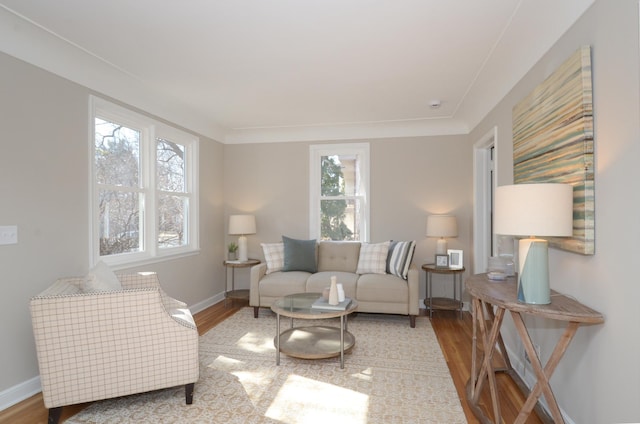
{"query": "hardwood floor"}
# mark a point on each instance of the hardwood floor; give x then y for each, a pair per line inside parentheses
(454, 335)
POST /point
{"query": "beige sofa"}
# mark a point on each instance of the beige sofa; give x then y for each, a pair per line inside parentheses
(375, 292)
(94, 345)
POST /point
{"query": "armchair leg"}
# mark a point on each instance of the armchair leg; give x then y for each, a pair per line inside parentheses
(54, 415)
(412, 321)
(255, 311)
(188, 391)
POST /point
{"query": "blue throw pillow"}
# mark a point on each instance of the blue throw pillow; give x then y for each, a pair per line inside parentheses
(299, 255)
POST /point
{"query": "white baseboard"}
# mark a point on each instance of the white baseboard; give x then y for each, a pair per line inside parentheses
(19, 392)
(201, 306)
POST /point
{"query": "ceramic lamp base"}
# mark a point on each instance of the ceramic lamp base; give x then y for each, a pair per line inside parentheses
(242, 249)
(441, 246)
(533, 279)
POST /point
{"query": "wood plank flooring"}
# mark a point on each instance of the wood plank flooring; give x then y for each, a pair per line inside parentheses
(454, 335)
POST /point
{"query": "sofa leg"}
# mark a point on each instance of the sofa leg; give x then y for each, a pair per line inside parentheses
(54, 415)
(412, 321)
(255, 311)
(188, 392)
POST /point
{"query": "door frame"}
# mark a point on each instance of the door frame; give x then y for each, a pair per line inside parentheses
(482, 198)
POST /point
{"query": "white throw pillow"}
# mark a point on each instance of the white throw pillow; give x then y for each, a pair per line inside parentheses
(373, 258)
(274, 256)
(100, 278)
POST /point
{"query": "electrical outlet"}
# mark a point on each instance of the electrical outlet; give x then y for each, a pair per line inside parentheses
(8, 234)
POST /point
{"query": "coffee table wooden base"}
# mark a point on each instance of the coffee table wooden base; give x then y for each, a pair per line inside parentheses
(314, 342)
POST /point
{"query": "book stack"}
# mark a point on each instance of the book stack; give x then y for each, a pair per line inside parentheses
(323, 303)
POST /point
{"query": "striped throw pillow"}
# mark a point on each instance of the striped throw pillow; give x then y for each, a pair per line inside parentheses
(399, 258)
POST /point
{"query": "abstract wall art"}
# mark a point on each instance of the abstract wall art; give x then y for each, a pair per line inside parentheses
(553, 143)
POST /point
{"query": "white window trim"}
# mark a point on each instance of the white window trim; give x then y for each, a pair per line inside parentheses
(150, 129)
(315, 153)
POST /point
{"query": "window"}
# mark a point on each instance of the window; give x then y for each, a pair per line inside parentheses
(339, 207)
(144, 192)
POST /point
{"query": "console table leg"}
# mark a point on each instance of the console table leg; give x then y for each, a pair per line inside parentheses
(543, 376)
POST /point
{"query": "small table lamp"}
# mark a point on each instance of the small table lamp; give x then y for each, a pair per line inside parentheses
(534, 210)
(442, 226)
(242, 225)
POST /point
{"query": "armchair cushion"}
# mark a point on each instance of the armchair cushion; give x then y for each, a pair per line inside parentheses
(101, 278)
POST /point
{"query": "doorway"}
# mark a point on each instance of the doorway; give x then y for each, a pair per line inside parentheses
(484, 184)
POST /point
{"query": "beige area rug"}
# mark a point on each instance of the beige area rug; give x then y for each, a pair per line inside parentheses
(394, 374)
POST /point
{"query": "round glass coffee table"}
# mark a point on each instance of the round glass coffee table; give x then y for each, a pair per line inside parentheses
(314, 341)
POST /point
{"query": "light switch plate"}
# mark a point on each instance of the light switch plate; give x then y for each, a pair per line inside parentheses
(8, 234)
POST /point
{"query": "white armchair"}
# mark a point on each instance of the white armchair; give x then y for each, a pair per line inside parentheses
(99, 345)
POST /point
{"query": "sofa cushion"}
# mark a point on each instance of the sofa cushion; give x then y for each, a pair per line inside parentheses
(273, 256)
(382, 288)
(373, 258)
(338, 256)
(320, 280)
(299, 255)
(399, 258)
(278, 284)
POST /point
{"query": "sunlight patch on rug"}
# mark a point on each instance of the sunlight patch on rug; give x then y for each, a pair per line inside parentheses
(393, 374)
(300, 398)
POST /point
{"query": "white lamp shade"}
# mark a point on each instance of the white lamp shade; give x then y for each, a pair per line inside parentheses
(242, 224)
(534, 210)
(442, 226)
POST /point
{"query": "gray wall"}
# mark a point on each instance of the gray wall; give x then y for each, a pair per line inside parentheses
(44, 177)
(598, 380)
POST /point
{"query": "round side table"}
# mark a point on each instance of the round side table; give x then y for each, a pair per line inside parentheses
(233, 293)
(444, 303)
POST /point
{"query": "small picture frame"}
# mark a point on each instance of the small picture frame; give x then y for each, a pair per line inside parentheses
(455, 258)
(442, 261)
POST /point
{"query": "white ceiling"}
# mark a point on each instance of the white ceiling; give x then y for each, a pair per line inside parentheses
(280, 70)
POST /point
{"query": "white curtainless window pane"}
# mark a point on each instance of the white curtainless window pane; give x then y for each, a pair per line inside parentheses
(117, 154)
(119, 222)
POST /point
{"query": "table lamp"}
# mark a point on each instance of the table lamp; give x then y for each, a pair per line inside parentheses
(442, 226)
(532, 210)
(242, 225)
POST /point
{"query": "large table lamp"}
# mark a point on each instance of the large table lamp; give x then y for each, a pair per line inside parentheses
(442, 226)
(242, 225)
(531, 210)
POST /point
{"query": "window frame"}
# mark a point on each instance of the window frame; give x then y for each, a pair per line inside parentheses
(315, 195)
(150, 130)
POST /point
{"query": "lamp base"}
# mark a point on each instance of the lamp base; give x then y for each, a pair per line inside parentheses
(533, 278)
(242, 249)
(441, 246)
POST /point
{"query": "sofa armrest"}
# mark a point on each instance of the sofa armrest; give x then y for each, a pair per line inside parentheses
(413, 279)
(257, 272)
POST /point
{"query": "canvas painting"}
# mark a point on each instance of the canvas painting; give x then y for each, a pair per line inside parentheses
(553, 143)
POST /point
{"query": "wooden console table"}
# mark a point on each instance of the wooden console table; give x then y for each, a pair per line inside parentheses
(502, 294)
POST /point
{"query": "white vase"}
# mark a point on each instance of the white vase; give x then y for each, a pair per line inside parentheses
(333, 292)
(340, 293)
